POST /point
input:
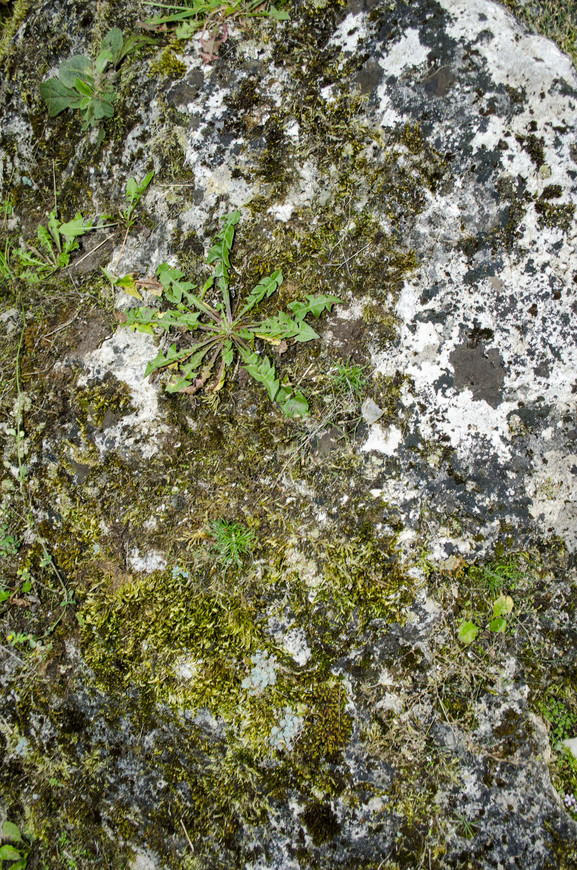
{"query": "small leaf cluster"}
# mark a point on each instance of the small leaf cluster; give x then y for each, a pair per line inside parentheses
(17, 853)
(562, 717)
(9, 544)
(502, 607)
(55, 243)
(87, 84)
(226, 329)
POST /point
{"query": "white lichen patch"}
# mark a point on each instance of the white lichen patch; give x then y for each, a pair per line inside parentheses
(350, 33)
(125, 356)
(404, 54)
(146, 563)
(521, 60)
(383, 440)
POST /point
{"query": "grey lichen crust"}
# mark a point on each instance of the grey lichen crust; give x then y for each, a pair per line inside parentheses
(314, 708)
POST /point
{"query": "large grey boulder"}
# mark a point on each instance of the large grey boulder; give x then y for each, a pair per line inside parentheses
(344, 697)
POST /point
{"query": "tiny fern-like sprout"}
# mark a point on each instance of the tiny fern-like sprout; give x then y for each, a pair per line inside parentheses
(232, 541)
(211, 335)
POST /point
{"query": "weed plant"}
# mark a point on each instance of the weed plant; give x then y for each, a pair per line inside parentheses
(232, 541)
(226, 329)
(87, 84)
(348, 377)
(212, 19)
(14, 848)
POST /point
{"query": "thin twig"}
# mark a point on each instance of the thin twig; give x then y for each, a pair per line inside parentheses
(352, 257)
(77, 262)
(128, 228)
(13, 654)
(64, 325)
(54, 187)
(186, 835)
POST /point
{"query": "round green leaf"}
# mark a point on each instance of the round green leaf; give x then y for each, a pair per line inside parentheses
(9, 853)
(503, 605)
(468, 632)
(10, 831)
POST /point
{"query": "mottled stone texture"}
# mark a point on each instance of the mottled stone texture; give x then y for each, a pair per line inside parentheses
(419, 160)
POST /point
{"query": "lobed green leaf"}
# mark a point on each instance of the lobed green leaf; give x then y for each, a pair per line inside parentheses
(75, 227)
(262, 370)
(221, 248)
(284, 326)
(295, 405)
(314, 305)
(9, 853)
(277, 14)
(113, 42)
(10, 831)
(263, 290)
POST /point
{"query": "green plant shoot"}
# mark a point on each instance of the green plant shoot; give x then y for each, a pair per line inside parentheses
(88, 84)
(232, 541)
(203, 15)
(55, 244)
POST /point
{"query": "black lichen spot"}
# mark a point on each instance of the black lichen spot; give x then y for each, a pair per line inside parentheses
(479, 371)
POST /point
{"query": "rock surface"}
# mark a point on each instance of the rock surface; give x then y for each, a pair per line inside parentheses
(320, 703)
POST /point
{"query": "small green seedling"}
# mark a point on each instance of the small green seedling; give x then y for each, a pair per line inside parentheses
(501, 608)
(87, 84)
(468, 630)
(17, 853)
(348, 377)
(18, 638)
(9, 544)
(227, 328)
(232, 541)
(56, 242)
(134, 191)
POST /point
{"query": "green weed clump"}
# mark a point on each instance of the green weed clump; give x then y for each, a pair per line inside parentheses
(212, 18)
(227, 328)
(232, 541)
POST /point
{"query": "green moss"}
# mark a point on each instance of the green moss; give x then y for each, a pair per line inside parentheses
(10, 27)
(363, 575)
(102, 403)
(168, 65)
(555, 216)
(148, 628)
